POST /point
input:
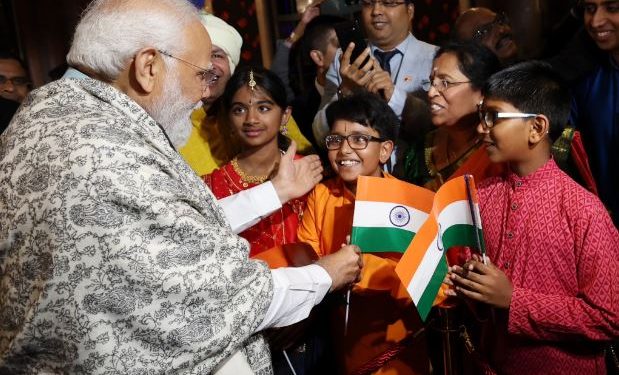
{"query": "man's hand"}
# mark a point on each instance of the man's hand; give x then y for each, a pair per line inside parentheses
(481, 282)
(295, 178)
(355, 75)
(380, 82)
(344, 266)
(310, 12)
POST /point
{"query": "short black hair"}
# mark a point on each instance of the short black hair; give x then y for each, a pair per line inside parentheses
(533, 87)
(477, 62)
(316, 34)
(366, 109)
(8, 55)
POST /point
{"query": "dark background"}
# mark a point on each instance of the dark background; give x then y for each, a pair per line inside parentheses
(40, 31)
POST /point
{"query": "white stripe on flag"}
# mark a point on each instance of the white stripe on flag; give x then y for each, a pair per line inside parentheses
(457, 212)
(377, 214)
(424, 273)
(454, 213)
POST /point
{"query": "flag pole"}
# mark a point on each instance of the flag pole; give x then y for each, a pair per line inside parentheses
(347, 311)
(469, 195)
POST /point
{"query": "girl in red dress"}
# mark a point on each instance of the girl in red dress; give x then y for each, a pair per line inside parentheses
(255, 103)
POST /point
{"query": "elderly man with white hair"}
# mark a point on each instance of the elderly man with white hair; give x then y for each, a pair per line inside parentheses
(210, 143)
(114, 256)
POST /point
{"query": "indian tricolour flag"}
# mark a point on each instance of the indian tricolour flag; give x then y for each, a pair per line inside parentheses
(454, 221)
(388, 213)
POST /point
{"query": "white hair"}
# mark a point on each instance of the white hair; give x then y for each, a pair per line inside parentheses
(111, 32)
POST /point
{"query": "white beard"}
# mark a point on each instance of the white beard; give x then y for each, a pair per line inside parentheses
(173, 111)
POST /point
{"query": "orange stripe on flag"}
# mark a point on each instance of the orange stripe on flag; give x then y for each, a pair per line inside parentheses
(377, 189)
(450, 192)
(410, 261)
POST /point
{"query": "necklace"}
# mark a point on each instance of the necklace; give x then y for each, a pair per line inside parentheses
(452, 165)
(245, 177)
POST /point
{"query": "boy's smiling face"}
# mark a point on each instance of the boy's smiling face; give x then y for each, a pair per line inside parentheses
(348, 163)
(508, 140)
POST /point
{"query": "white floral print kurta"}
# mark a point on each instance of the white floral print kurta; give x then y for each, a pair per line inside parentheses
(115, 257)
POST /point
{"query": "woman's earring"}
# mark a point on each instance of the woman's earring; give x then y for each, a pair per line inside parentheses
(283, 129)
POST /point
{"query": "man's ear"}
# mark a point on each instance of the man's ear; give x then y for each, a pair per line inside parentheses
(386, 148)
(540, 127)
(410, 9)
(148, 67)
(317, 57)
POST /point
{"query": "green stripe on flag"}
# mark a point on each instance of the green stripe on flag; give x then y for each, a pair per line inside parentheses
(429, 294)
(461, 235)
(377, 239)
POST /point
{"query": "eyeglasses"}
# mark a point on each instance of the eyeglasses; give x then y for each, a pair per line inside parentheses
(355, 141)
(385, 3)
(207, 76)
(482, 32)
(440, 84)
(489, 118)
(16, 81)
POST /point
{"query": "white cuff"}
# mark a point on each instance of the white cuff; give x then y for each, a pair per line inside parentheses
(248, 207)
(296, 290)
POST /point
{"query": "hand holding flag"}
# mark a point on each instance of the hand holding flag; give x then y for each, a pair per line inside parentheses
(344, 266)
(454, 221)
(481, 282)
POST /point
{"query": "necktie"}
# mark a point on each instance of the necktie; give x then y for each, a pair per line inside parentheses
(384, 58)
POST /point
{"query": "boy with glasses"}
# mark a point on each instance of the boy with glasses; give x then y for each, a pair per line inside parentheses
(553, 249)
(360, 141)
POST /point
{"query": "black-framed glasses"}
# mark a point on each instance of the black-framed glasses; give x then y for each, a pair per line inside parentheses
(489, 118)
(440, 84)
(385, 3)
(208, 77)
(484, 30)
(16, 81)
(355, 141)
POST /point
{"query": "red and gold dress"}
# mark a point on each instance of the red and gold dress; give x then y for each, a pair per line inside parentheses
(276, 229)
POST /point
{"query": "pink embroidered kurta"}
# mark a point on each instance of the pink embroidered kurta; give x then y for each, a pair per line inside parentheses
(559, 247)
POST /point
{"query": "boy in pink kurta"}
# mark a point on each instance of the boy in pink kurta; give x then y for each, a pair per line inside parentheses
(553, 274)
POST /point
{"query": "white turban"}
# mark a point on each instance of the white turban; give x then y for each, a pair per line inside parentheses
(223, 36)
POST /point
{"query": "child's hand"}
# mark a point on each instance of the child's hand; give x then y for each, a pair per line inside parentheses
(480, 282)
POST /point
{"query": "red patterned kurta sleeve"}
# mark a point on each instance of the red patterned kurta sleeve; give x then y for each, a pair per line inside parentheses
(593, 313)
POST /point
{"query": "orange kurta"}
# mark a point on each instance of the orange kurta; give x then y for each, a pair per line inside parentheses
(381, 312)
